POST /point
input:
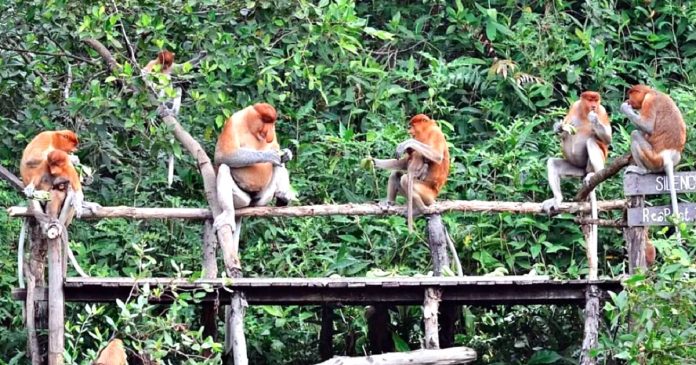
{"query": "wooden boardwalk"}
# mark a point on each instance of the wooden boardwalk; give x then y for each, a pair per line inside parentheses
(474, 290)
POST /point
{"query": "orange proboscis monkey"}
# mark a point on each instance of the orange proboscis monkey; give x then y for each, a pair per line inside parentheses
(113, 354)
(251, 163)
(46, 164)
(425, 159)
(660, 137)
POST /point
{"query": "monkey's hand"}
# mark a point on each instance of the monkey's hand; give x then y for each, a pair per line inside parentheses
(285, 155)
(633, 169)
(627, 109)
(558, 127)
(550, 205)
(592, 116)
(226, 218)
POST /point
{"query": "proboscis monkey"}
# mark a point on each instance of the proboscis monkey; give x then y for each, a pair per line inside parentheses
(585, 137)
(46, 166)
(46, 163)
(164, 64)
(425, 159)
(113, 354)
(659, 139)
(251, 163)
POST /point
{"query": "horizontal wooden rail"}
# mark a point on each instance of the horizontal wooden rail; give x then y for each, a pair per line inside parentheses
(338, 209)
(481, 290)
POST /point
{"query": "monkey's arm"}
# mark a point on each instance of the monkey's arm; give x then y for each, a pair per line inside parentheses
(644, 121)
(391, 164)
(178, 67)
(245, 157)
(600, 126)
(420, 147)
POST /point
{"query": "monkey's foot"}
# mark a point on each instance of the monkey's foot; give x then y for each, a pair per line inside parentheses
(226, 218)
(284, 198)
(91, 206)
(633, 169)
(587, 178)
(550, 205)
(385, 204)
(29, 191)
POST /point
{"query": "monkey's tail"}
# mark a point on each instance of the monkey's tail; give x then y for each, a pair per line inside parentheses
(669, 168)
(592, 239)
(170, 171)
(455, 257)
(20, 253)
(409, 203)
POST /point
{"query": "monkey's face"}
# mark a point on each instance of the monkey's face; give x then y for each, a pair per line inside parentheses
(66, 141)
(266, 133)
(636, 97)
(418, 125)
(590, 100)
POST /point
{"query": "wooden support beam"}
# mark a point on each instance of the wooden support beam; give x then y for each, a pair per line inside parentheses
(327, 332)
(378, 336)
(209, 310)
(446, 312)
(56, 301)
(636, 239)
(430, 311)
(591, 331)
(450, 356)
(477, 290)
(334, 210)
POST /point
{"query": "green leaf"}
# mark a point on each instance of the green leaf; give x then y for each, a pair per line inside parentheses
(399, 344)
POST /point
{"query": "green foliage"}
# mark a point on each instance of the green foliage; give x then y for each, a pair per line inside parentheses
(344, 76)
(653, 321)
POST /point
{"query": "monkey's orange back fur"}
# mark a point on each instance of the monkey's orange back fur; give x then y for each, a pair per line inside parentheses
(425, 130)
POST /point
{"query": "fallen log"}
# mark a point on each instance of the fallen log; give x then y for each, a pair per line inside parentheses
(450, 356)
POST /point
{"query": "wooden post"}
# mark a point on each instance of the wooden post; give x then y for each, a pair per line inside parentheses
(449, 312)
(430, 309)
(210, 270)
(56, 302)
(591, 331)
(377, 317)
(36, 312)
(327, 332)
(636, 238)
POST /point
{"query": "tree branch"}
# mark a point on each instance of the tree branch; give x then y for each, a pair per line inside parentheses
(104, 53)
(12, 179)
(58, 54)
(602, 175)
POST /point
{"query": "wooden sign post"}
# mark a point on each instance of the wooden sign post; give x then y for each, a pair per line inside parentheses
(641, 185)
(638, 216)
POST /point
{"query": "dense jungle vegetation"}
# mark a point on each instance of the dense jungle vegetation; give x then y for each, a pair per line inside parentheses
(345, 77)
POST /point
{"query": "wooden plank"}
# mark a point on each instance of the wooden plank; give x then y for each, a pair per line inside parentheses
(472, 292)
(652, 184)
(657, 216)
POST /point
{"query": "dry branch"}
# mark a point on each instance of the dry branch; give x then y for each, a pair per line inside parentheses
(450, 356)
(330, 210)
(104, 53)
(602, 175)
(12, 179)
